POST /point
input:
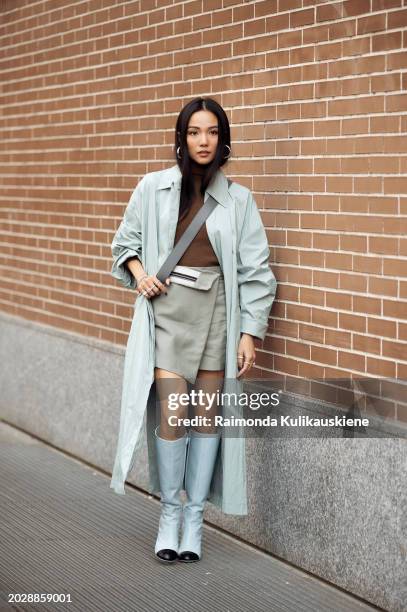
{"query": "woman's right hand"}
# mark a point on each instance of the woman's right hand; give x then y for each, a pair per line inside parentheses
(150, 286)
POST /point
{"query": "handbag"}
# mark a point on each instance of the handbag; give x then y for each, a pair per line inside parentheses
(197, 279)
(184, 275)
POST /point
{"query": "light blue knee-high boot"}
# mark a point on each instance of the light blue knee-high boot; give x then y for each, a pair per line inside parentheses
(200, 463)
(171, 456)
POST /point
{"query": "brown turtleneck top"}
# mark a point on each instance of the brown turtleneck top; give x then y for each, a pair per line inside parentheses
(200, 251)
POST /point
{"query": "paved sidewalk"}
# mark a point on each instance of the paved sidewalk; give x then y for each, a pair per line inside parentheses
(63, 531)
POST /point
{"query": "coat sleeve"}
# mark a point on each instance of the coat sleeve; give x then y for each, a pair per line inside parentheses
(127, 241)
(257, 283)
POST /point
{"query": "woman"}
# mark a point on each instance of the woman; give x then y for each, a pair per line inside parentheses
(190, 336)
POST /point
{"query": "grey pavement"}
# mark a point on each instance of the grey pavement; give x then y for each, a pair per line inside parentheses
(64, 532)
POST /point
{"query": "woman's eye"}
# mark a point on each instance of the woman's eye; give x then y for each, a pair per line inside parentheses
(214, 133)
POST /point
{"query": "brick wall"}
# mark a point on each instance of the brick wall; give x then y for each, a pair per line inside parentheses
(315, 93)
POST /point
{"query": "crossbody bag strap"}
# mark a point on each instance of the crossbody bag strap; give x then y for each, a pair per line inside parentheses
(187, 237)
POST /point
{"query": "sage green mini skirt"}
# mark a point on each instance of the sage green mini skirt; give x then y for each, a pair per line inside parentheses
(190, 325)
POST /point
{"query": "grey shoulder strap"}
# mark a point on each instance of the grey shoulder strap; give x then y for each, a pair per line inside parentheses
(187, 237)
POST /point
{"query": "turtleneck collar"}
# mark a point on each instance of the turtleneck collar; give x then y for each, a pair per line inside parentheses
(196, 168)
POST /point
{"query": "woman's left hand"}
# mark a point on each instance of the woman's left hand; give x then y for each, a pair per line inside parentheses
(246, 354)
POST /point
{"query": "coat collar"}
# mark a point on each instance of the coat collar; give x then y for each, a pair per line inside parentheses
(218, 187)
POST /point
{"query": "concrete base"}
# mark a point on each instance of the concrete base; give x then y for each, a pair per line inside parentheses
(334, 507)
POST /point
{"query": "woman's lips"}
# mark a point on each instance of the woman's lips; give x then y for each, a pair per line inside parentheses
(203, 154)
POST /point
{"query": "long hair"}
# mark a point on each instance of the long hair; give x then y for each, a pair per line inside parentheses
(183, 159)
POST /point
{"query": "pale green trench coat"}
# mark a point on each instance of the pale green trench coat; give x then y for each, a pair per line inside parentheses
(238, 237)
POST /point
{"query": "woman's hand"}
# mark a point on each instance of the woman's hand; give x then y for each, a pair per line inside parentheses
(150, 286)
(245, 354)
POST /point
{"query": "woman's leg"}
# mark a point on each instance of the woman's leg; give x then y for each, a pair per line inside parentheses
(202, 452)
(209, 382)
(171, 444)
(166, 383)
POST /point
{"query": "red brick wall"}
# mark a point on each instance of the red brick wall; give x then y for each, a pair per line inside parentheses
(315, 92)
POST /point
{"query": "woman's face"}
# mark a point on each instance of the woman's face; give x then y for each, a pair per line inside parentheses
(202, 135)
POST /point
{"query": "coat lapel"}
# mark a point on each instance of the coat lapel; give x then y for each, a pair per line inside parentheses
(217, 189)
